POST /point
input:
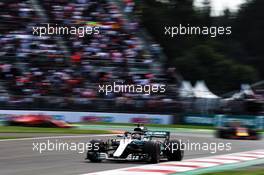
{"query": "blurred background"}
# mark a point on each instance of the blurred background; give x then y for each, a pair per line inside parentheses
(49, 85)
(204, 75)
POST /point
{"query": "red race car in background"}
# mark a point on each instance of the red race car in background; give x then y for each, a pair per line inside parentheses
(236, 130)
(36, 120)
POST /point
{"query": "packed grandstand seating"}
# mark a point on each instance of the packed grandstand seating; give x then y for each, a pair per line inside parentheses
(64, 71)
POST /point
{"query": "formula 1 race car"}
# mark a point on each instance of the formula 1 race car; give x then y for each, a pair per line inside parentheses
(140, 145)
(235, 130)
(36, 120)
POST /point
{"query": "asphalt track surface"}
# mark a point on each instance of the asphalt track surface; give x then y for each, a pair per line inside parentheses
(18, 158)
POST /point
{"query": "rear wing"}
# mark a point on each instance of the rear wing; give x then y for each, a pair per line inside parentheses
(158, 134)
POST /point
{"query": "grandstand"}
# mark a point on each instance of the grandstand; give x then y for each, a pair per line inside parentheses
(63, 72)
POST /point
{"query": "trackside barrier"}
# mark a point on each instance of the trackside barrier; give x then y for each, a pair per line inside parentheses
(76, 117)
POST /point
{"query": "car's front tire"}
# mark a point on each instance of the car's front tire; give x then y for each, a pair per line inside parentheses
(175, 155)
(152, 149)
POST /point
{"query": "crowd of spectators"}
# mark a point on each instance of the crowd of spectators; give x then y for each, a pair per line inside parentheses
(34, 67)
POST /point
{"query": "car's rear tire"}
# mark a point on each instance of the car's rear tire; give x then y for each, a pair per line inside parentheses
(152, 149)
(217, 134)
(174, 155)
(93, 154)
(221, 134)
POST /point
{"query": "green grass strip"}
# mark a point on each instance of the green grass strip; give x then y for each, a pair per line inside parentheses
(150, 126)
(9, 137)
(245, 172)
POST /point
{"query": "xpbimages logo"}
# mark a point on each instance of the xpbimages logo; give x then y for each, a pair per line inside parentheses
(212, 31)
(211, 147)
(49, 146)
(80, 31)
(132, 88)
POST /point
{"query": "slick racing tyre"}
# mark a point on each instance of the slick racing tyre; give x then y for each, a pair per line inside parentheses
(219, 134)
(175, 152)
(93, 154)
(152, 149)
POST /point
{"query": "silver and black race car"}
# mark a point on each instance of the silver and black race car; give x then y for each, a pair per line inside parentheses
(236, 130)
(139, 145)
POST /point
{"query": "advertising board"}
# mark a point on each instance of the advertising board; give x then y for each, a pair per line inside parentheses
(76, 117)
